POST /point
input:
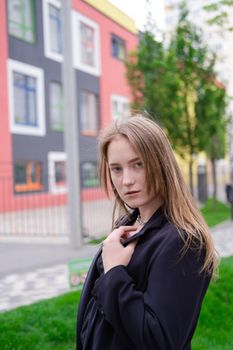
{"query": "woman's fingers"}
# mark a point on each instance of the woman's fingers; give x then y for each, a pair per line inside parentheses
(119, 232)
(131, 246)
(114, 253)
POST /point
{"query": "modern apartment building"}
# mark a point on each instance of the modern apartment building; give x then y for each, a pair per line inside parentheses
(32, 156)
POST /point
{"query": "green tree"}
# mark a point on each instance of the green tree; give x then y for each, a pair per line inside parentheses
(220, 10)
(145, 70)
(166, 83)
(210, 106)
(193, 60)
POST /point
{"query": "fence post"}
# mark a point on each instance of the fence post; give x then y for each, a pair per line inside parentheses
(71, 129)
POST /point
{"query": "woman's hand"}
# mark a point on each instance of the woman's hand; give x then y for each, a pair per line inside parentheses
(114, 253)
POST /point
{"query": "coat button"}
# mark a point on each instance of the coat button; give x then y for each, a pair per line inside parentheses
(94, 295)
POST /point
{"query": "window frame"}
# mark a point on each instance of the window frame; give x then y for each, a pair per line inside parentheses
(119, 40)
(32, 27)
(29, 186)
(120, 99)
(60, 106)
(89, 132)
(46, 28)
(35, 72)
(82, 177)
(76, 40)
(54, 157)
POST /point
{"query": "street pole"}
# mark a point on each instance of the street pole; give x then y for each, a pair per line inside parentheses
(71, 130)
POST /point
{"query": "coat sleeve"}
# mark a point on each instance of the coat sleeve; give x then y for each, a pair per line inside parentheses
(165, 314)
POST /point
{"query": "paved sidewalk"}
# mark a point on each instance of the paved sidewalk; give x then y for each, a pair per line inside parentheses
(32, 272)
(223, 238)
(29, 273)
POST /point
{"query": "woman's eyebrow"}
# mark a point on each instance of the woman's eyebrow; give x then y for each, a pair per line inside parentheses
(134, 160)
(130, 161)
(112, 164)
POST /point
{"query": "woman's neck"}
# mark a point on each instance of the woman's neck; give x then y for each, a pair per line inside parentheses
(146, 213)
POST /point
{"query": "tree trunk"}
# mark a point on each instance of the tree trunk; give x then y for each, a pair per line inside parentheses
(214, 179)
(191, 175)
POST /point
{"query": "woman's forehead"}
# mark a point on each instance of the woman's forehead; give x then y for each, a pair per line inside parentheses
(120, 147)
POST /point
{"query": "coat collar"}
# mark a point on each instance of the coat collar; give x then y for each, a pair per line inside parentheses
(156, 221)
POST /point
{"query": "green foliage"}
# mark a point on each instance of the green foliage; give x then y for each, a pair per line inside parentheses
(214, 214)
(191, 55)
(210, 107)
(220, 10)
(210, 111)
(145, 69)
(176, 86)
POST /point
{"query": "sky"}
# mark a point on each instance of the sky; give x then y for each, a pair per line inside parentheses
(136, 9)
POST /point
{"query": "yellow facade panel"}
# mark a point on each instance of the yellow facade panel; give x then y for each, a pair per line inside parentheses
(114, 13)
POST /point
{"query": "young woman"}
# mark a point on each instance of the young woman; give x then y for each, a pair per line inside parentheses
(145, 287)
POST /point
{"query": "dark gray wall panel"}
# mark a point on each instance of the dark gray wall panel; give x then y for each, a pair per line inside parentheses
(27, 147)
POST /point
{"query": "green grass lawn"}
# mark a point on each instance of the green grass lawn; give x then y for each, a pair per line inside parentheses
(50, 324)
(45, 325)
(217, 214)
(215, 327)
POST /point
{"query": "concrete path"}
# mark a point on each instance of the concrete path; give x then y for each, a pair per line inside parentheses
(223, 238)
(29, 273)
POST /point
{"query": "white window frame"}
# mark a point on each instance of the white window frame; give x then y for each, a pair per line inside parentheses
(119, 99)
(76, 18)
(35, 72)
(52, 158)
(32, 26)
(46, 28)
(96, 98)
(61, 107)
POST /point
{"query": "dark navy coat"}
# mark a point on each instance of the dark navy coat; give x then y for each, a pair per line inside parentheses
(153, 303)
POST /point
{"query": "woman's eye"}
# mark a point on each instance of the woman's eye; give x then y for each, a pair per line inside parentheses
(138, 165)
(116, 169)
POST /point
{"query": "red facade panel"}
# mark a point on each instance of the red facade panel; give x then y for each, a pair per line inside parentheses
(112, 78)
(5, 136)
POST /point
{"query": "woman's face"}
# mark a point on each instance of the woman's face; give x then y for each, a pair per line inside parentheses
(128, 176)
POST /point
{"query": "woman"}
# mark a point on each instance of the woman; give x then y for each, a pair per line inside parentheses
(145, 287)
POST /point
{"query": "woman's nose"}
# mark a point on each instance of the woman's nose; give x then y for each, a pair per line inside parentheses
(128, 179)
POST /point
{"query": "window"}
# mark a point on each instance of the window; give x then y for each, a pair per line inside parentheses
(25, 99)
(120, 107)
(21, 19)
(60, 173)
(27, 176)
(52, 29)
(86, 44)
(57, 172)
(26, 93)
(118, 48)
(89, 175)
(55, 28)
(89, 113)
(56, 106)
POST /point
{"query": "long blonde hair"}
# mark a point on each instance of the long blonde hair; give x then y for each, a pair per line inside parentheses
(164, 176)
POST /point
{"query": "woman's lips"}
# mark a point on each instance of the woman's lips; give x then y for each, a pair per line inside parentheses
(131, 193)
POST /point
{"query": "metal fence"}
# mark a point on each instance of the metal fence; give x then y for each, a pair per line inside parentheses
(44, 216)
